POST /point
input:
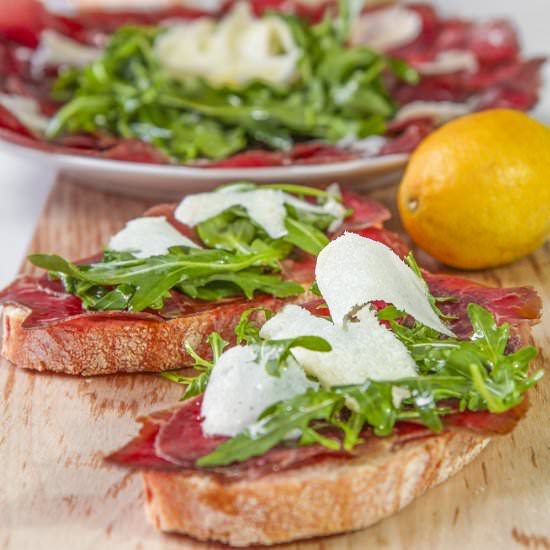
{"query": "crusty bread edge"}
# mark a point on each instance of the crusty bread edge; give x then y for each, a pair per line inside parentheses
(81, 347)
(88, 347)
(319, 500)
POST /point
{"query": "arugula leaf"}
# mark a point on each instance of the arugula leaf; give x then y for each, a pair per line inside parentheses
(246, 282)
(246, 329)
(273, 354)
(228, 231)
(138, 284)
(298, 413)
(305, 236)
(196, 385)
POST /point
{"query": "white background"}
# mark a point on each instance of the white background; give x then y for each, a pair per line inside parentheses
(25, 184)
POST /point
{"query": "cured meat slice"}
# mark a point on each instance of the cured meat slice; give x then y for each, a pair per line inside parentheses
(173, 440)
(409, 138)
(180, 441)
(509, 305)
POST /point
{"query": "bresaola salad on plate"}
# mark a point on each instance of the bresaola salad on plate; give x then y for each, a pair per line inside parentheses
(254, 84)
(377, 354)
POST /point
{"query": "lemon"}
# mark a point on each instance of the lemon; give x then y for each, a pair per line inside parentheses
(476, 193)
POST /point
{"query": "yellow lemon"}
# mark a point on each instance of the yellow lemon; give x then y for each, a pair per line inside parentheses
(476, 193)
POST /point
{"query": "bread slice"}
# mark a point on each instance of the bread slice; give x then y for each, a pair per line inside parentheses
(324, 499)
(88, 346)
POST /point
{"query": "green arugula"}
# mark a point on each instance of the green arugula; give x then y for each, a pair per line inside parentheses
(476, 374)
(247, 329)
(339, 93)
(196, 385)
(137, 284)
(411, 261)
(233, 230)
(274, 354)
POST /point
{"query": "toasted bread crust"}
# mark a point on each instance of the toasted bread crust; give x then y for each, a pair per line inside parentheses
(324, 499)
(88, 347)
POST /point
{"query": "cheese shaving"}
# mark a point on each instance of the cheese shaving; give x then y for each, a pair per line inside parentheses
(266, 207)
(449, 61)
(352, 271)
(55, 49)
(361, 351)
(148, 236)
(239, 390)
(438, 111)
(386, 29)
(232, 51)
(26, 110)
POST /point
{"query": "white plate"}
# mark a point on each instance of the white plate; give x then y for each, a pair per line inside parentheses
(172, 182)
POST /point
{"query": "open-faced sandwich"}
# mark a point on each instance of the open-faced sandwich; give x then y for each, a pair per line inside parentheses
(238, 84)
(338, 413)
(179, 273)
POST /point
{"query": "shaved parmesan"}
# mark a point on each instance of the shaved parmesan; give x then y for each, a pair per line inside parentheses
(369, 147)
(266, 207)
(352, 271)
(232, 51)
(439, 111)
(26, 110)
(239, 390)
(386, 29)
(55, 49)
(361, 351)
(449, 61)
(149, 236)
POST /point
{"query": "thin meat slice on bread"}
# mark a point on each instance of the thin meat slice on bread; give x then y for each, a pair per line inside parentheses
(46, 328)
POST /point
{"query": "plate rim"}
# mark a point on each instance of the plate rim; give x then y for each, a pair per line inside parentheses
(83, 162)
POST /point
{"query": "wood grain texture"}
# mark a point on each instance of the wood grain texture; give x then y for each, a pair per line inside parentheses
(55, 491)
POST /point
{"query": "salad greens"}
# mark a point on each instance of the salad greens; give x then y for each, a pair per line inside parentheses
(241, 259)
(233, 230)
(454, 375)
(339, 93)
(123, 282)
(196, 385)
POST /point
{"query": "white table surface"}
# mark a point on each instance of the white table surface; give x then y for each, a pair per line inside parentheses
(24, 184)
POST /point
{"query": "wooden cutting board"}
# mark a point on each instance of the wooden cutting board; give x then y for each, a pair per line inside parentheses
(55, 491)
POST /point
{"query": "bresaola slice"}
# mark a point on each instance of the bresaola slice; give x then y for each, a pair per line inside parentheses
(180, 441)
(173, 440)
(509, 305)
